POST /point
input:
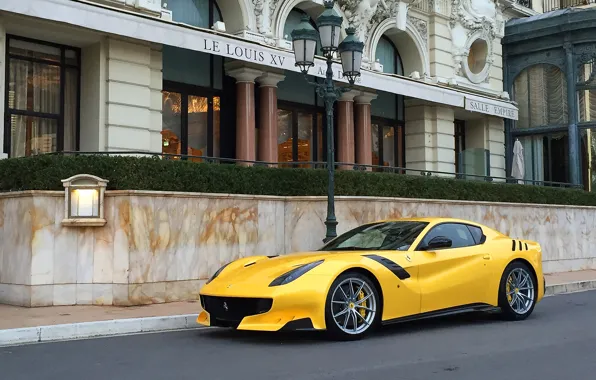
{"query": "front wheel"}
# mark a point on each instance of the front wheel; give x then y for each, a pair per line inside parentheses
(517, 292)
(352, 308)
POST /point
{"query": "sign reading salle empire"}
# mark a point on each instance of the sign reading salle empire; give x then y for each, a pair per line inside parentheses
(491, 109)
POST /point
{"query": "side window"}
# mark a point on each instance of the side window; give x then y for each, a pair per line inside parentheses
(476, 233)
(458, 233)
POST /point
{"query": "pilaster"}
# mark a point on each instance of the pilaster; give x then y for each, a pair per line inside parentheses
(430, 137)
(129, 123)
(363, 128)
(3, 63)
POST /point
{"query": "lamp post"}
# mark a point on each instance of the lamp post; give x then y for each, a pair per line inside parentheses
(305, 39)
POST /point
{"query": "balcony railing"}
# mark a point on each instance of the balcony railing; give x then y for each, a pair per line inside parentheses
(553, 5)
(323, 165)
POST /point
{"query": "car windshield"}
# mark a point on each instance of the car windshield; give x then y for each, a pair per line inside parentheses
(378, 236)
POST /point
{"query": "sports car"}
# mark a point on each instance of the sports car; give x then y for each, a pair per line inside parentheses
(376, 274)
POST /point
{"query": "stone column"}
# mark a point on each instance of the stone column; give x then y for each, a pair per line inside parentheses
(430, 137)
(245, 110)
(345, 130)
(3, 83)
(363, 128)
(268, 131)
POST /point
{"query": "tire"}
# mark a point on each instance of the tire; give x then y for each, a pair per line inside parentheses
(364, 307)
(517, 303)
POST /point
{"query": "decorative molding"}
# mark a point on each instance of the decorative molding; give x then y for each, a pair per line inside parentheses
(517, 64)
(364, 15)
(264, 11)
(422, 27)
(584, 53)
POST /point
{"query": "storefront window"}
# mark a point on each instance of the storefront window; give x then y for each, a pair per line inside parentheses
(300, 134)
(541, 94)
(588, 162)
(42, 103)
(546, 157)
(388, 143)
(193, 86)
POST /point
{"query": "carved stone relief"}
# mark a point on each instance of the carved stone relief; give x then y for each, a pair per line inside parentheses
(472, 20)
(364, 15)
(422, 28)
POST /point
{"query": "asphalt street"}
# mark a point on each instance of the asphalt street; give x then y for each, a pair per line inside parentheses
(558, 342)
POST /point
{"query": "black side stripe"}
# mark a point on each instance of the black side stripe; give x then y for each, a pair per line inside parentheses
(397, 270)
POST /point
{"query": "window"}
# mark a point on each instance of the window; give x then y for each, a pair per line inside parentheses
(587, 92)
(388, 126)
(541, 93)
(546, 157)
(300, 134)
(459, 234)
(193, 88)
(378, 236)
(42, 102)
(292, 22)
(477, 234)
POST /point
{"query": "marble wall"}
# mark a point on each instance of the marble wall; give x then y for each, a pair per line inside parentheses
(161, 247)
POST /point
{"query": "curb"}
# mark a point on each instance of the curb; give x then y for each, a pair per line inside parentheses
(115, 327)
(97, 329)
(570, 287)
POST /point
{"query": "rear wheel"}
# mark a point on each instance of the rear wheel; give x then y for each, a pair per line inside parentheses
(353, 307)
(517, 292)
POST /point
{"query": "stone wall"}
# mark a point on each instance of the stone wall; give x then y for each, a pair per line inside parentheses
(161, 247)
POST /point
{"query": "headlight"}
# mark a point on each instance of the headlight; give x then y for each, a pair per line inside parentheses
(290, 276)
(217, 273)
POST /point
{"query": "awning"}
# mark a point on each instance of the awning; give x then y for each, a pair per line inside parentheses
(146, 28)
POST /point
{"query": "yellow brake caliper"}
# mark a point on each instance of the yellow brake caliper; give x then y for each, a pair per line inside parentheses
(508, 290)
(360, 297)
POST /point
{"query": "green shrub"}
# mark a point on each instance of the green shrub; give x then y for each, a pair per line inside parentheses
(132, 173)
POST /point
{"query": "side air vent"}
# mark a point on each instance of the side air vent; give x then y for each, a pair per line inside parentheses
(526, 246)
(513, 245)
(520, 245)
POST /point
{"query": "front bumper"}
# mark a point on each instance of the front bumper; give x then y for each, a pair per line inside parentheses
(294, 306)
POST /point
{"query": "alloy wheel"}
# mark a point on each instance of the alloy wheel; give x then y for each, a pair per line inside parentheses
(353, 306)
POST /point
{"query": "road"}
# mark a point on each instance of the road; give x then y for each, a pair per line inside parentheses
(558, 342)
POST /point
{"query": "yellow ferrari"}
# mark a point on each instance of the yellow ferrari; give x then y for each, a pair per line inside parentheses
(376, 274)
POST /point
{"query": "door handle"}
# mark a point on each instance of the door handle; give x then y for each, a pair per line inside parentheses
(486, 257)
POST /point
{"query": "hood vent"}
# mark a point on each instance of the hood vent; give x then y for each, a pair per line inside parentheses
(249, 264)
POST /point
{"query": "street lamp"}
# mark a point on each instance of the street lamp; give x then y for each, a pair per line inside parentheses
(304, 39)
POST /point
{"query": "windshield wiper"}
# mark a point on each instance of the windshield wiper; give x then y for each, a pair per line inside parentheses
(352, 249)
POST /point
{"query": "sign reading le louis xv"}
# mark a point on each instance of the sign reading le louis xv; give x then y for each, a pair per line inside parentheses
(265, 57)
(491, 109)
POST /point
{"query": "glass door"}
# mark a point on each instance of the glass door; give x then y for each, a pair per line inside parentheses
(190, 125)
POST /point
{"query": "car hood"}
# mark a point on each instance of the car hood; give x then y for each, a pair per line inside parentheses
(259, 269)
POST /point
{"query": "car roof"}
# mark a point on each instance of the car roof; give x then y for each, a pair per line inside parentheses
(431, 219)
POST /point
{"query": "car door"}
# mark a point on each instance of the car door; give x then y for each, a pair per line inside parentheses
(454, 276)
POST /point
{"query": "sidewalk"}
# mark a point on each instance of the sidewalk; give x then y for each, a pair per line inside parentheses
(29, 325)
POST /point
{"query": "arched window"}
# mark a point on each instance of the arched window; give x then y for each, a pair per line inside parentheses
(199, 13)
(292, 22)
(541, 94)
(192, 87)
(388, 143)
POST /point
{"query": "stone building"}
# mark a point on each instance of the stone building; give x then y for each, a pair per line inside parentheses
(550, 72)
(216, 78)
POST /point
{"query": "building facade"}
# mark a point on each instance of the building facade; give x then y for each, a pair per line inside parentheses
(550, 72)
(216, 78)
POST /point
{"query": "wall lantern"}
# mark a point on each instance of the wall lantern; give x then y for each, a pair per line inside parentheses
(84, 201)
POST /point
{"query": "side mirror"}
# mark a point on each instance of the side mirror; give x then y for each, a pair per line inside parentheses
(439, 242)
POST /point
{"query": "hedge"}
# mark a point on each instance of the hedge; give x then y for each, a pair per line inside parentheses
(134, 173)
